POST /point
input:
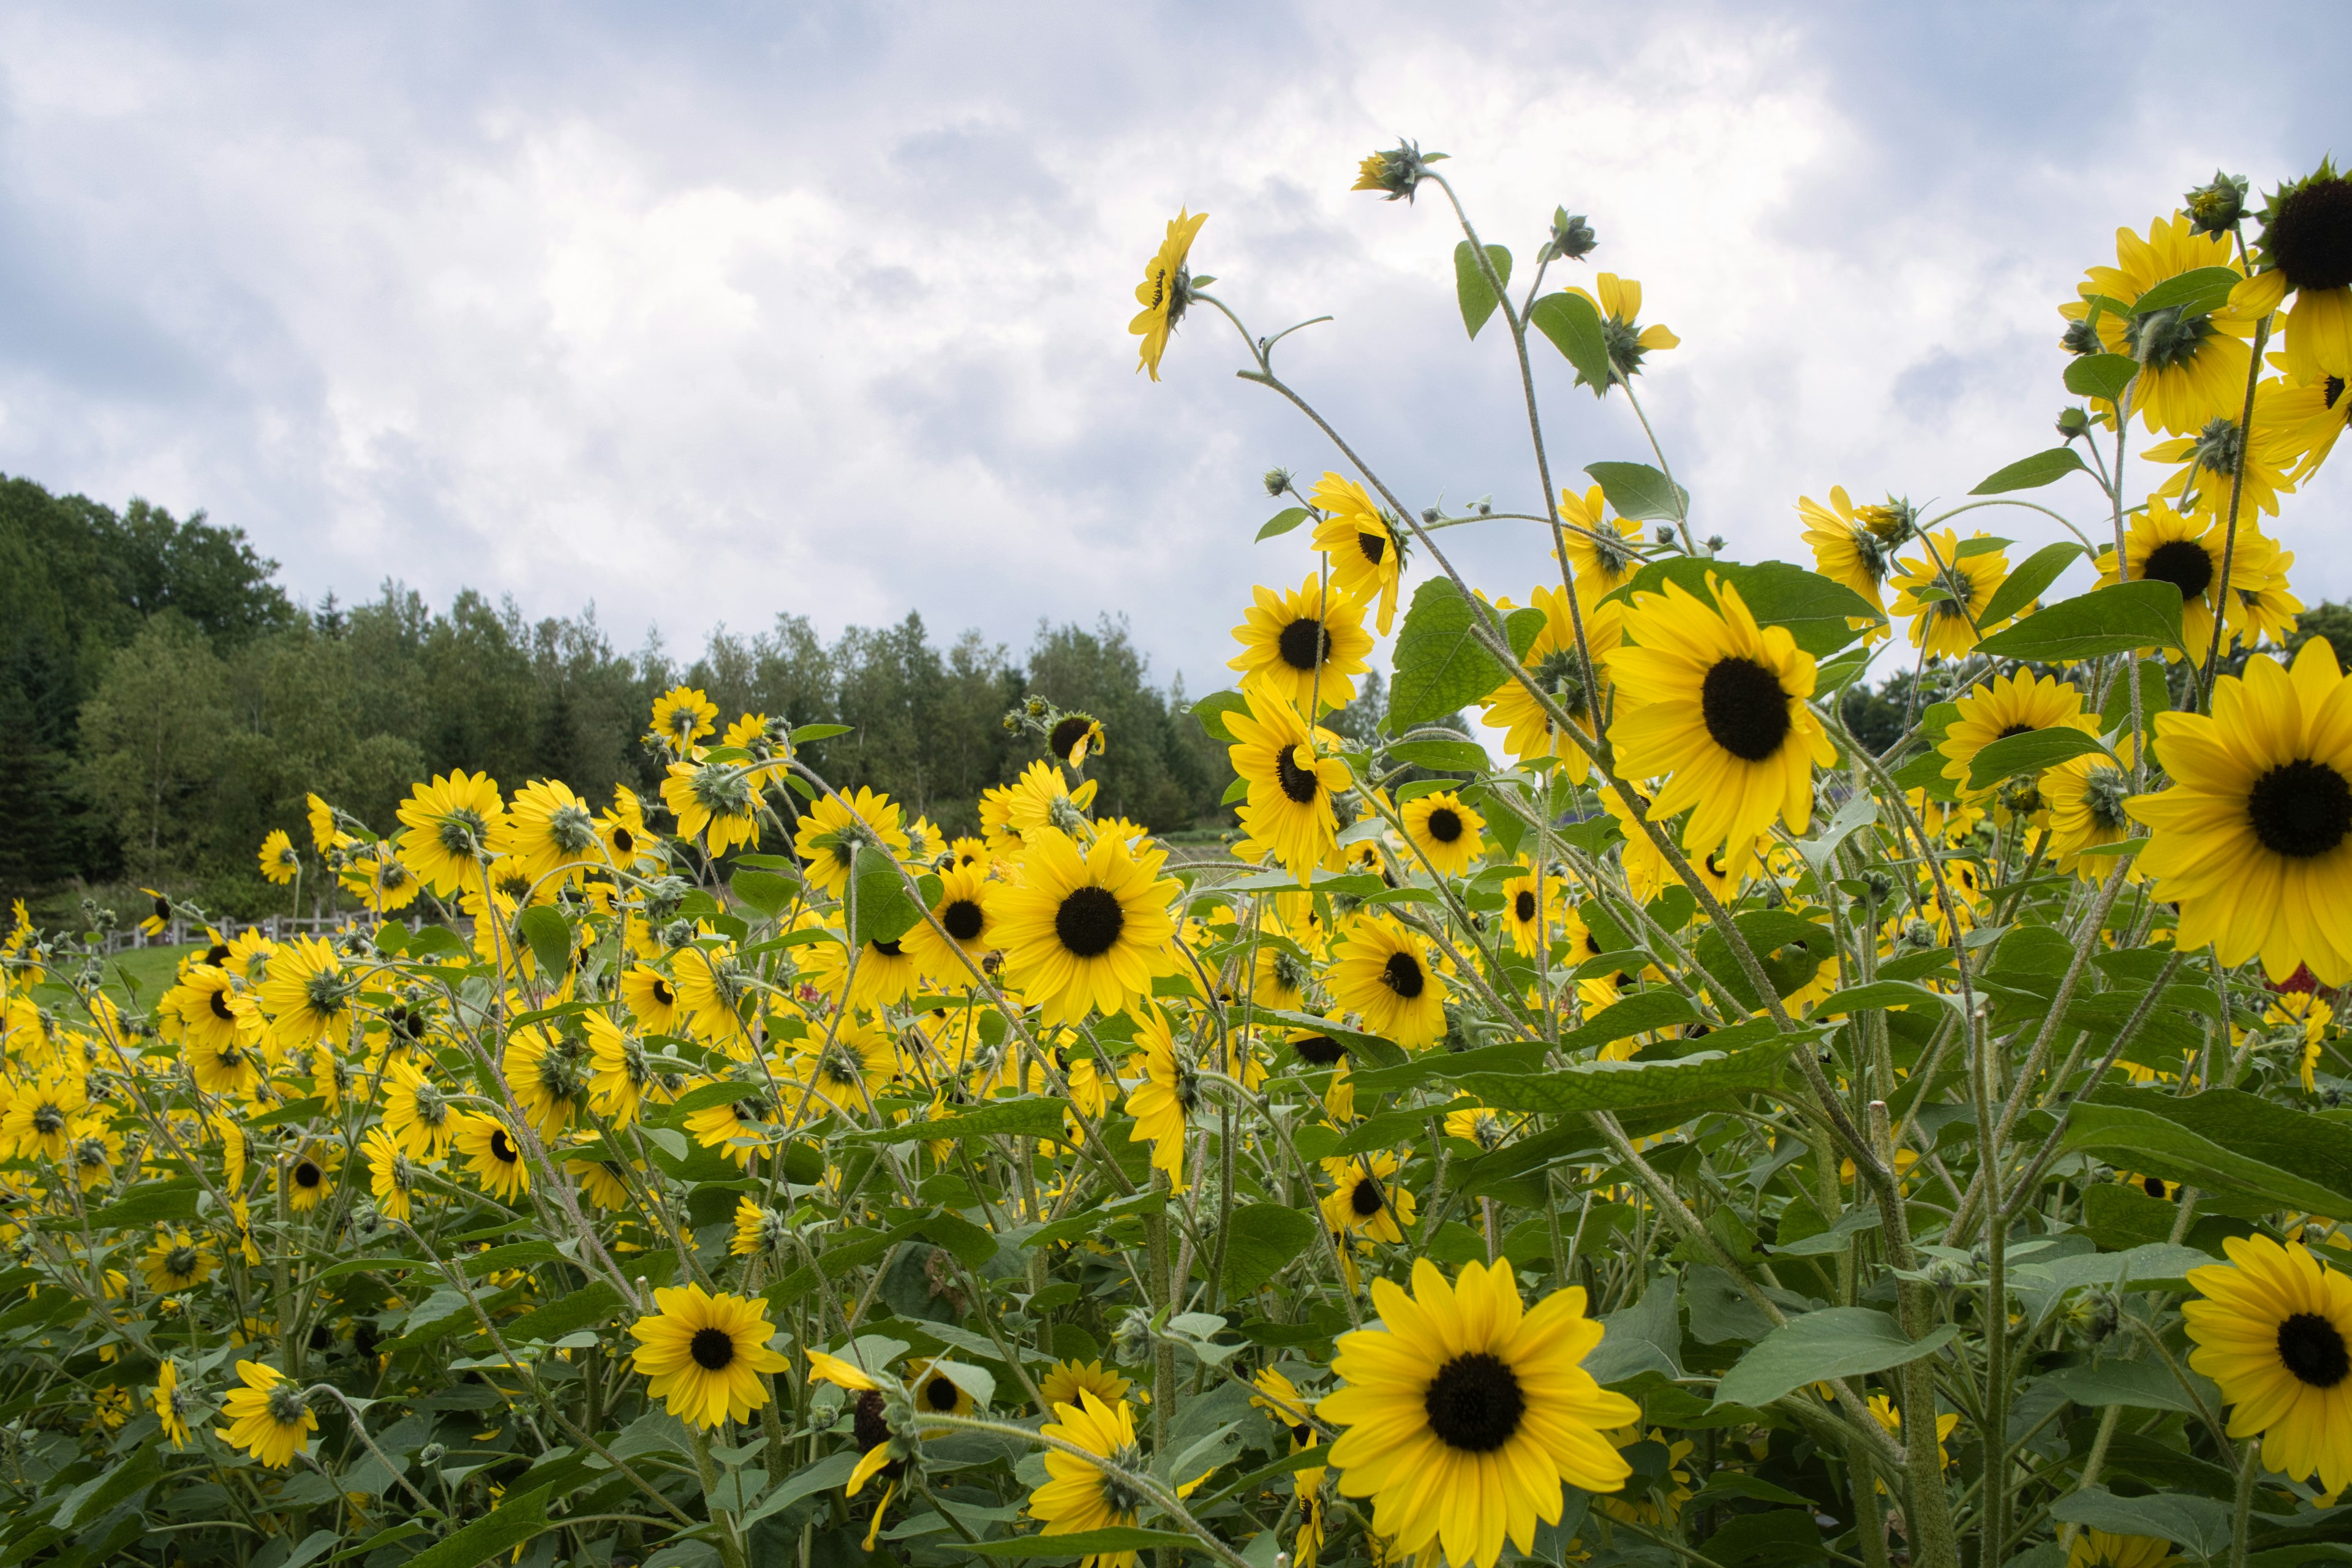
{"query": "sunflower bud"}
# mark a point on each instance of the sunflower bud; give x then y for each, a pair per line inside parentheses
(1131, 1342)
(1571, 238)
(1276, 480)
(2073, 422)
(2080, 339)
(2216, 208)
(1397, 172)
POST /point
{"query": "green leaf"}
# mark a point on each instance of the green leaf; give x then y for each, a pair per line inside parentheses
(1880, 994)
(1815, 610)
(584, 1308)
(1790, 948)
(878, 899)
(973, 1244)
(1470, 285)
(763, 891)
(1442, 756)
(1283, 521)
(550, 935)
(808, 732)
(2155, 697)
(1081, 1543)
(154, 1203)
(98, 1496)
(2025, 584)
(1211, 711)
(1260, 1239)
(2140, 1385)
(2030, 473)
(2200, 1524)
(1572, 323)
(493, 1535)
(2222, 1140)
(1036, 1118)
(1639, 491)
(1624, 1087)
(2101, 375)
(1439, 665)
(427, 940)
(1837, 1341)
(2198, 292)
(2028, 754)
(2119, 618)
(514, 1255)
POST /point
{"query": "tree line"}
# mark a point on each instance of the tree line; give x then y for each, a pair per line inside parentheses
(165, 703)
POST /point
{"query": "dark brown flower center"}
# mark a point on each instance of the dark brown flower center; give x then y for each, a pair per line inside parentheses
(940, 1393)
(218, 1001)
(1401, 973)
(2184, 563)
(963, 919)
(1317, 1050)
(663, 993)
(2311, 237)
(1745, 709)
(1068, 733)
(502, 1148)
(1089, 921)
(2314, 1350)
(1524, 907)
(1375, 546)
(713, 1348)
(1364, 1198)
(1474, 1403)
(2300, 809)
(1299, 784)
(1445, 824)
(1304, 643)
(308, 1174)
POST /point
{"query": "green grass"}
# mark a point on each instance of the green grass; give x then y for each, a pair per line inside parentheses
(151, 967)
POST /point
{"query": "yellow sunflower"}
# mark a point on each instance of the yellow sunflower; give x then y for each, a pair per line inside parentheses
(1444, 830)
(2015, 704)
(1366, 550)
(306, 1177)
(1166, 289)
(681, 716)
(171, 1403)
(1293, 775)
(1945, 591)
(1085, 930)
(2086, 798)
(280, 863)
(1854, 546)
(2097, 1549)
(1528, 729)
(705, 1355)
(549, 1074)
(2274, 1329)
(309, 994)
(416, 1111)
(1601, 552)
(2208, 461)
(390, 1175)
(1307, 643)
(2306, 252)
(1532, 910)
(1163, 1102)
(550, 830)
(1381, 973)
(1463, 1413)
(836, 826)
(491, 1152)
(2192, 363)
(2163, 546)
(1363, 1200)
(623, 829)
(1719, 712)
(268, 1417)
(1077, 1497)
(2253, 840)
(1620, 325)
(716, 802)
(451, 824)
(962, 911)
(177, 1261)
(650, 999)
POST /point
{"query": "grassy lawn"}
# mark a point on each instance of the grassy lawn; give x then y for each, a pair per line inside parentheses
(151, 967)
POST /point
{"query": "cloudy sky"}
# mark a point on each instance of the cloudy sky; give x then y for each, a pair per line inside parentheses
(704, 312)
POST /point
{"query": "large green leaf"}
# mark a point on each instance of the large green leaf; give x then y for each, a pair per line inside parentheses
(1790, 949)
(1260, 1240)
(2197, 292)
(152, 1203)
(1640, 491)
(1440, 665)
(2025, 583)
(1838, 1341)
(2101, 375)
(1624, 1087)
(2030, 473)
(878, 900)
(490, 1538)
(2027, 753)
(1034, 1117)
(2198, 1524)
(763, 891)
(550, 936)
(1211, 711)
(1572, 323)
(2115, 619)
(1814, 610)
(584, 1308)
(2222, 1140)
(1470, 285)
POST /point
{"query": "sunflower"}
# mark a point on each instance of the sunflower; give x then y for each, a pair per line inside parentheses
(705, 1355)
(1620, 325)
(1381, 973)
(603, 1181)
(1532, 910)
(1166, 290)
(1601, 557)
(623, 829)
(1444, 830)
(171, 1403)
(1363, 1201)
(1077, 1497)
(2306, 252)
(650, 999)
(716, 802)
(2097, 1549)
(620, 1077)
(1085, 930)
(1309, 644)
(681, 716)
(95, 1149)
(2209, 462)
(2313, 414)
(1463, 1413)
(549, 1074)
(2086, 798)
(1065, 1380)
(961, 911)
(1720, 713)
(934, 1393)
(711, 985)
(734, 1127)
(306, 1178)
(846, 1072)
(1293, 773)
(1965, 576)
(1278, 975)
(177, 1261)
(834, 829)
(40, 1114)
(220, 1028)
(2163, 546)
(2267, 613)
(491, 1152)
(966, 853)
(416, 1113)
(549, 830)
(2274, 1329)
(2192, 364)
(2253, 840)
(1366, 547)
(1528, 729)
(1662, 1504)
(1162, 1103)
(760, 1231)
(280, 861)
(2015, 704)
(390, 1175)
(309, 994)
(268, 1417)
(450, 825)
(1855, 547)
(381, 880)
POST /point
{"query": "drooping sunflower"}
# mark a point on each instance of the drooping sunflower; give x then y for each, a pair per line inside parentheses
(620, 1077)
(549, 830)
(1077, 1497)
(280, 863)
(309, 994)
(1364, 1200)
(2210, 460)
(1381, 973)
(1445, 831)
(651, 999)
(962, 913)
(2086, 798)
(2306, 252)
(846, 1072)
(704, 1354)
(2163, 546)
(681, 716)
(623, 829)
(1293, 773)
(1528, 729)
(306, 1177)
(177, 1261)
(1600, 554)
(2015, 704)
(549, 1074)
(1165, 291)
(1620, 325)
(1084, 931)
(390, 1174)
(716, 802)
(1162, 1103)
(2273, 1327)
(1532, 909)
(1464, 1413)
(711, 986)
(2192, 362)
(1965, 576)
(836, 826)
(268, 1417)
(735, 1128)
(491, 1152)
(450, 825)
(1307, 643)
(1854, 546)
(2268, 614)
(760, 1231)
(1366, 548)
(2253, 839)
(416, 1111)
(603, 1181)
(171, 1403)
(1719, 712)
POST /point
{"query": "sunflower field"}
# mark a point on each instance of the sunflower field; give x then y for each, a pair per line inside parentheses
(1696, 1137)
